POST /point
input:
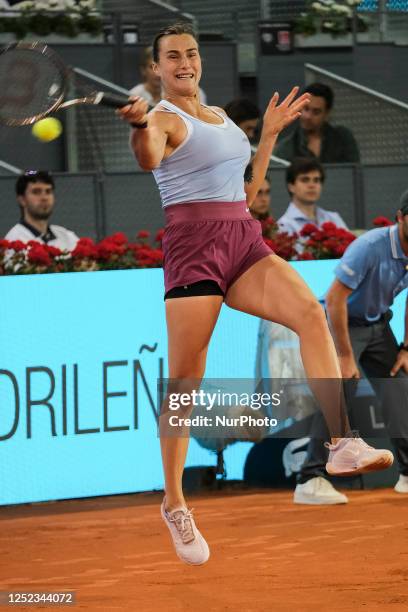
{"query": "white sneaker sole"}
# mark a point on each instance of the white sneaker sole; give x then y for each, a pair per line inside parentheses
(381, 463)
(318, 501)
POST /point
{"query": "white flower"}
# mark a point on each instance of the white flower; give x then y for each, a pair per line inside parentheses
(87, 4)
(55, 5)
(24, 6)
(342, 10)
(328, 25)
(319, 8)
(41, 6)
(72, 7)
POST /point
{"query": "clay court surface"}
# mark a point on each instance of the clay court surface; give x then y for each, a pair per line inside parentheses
(267, 554)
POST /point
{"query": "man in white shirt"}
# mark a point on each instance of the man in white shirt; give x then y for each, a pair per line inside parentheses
(304, 179)
(36, 197)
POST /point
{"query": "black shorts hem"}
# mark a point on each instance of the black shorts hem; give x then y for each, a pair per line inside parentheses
(203, 287)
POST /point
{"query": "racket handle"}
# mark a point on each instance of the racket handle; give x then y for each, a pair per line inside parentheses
(113, 100)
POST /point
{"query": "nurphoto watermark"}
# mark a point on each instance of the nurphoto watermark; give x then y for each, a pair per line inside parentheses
(248, 409)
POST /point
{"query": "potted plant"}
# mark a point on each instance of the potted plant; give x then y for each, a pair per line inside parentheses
(328, 23)
(53, 20)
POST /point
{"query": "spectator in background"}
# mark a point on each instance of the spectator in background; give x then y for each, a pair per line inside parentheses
(304, 180)
(260, 207)
(315, 137)
(36, 197)
(150, 89)
(245, 114)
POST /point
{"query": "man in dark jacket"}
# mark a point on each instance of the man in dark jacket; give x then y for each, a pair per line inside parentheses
(315, 137)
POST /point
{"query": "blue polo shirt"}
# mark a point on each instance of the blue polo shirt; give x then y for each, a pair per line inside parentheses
(375, 267)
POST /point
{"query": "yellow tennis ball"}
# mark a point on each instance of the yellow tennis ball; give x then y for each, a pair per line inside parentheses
(47, 129)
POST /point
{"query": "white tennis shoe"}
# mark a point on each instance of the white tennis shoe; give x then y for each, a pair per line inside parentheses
(351, 456)
(318, 491)
(189, 543)
(402, 484)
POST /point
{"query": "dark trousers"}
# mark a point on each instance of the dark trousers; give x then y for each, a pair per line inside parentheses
(375, 351)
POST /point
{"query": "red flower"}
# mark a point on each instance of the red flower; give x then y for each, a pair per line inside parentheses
(118, 238)
(157, 256)
(159, 235)
(268, 242)
(283, 244)
(326, 242)
(308, 229)
(382, 222)
(268, 222)
(318, 235)
(311, 243)
(107, 248)
(38, 254)
(269, 227)
(305, 256)
(52, 250)
(85, 248)
(329, 226)
(17, 245)
(143, 234)
(145, 256)
(5, 244)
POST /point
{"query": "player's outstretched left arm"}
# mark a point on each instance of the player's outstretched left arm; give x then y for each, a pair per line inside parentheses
(275, 119)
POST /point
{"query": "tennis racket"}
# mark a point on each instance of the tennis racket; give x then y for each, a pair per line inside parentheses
(34, 82)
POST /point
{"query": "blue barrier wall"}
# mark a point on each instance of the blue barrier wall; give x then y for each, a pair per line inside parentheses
(79, 358)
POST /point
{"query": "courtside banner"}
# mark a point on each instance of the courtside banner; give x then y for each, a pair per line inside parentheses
(80, 356)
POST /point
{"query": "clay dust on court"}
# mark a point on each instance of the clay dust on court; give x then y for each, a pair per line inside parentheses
(266, 553)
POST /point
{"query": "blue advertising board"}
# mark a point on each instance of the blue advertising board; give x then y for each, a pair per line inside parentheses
(80, 355)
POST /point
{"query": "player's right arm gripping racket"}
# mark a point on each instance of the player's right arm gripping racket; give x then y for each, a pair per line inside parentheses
(34, 82)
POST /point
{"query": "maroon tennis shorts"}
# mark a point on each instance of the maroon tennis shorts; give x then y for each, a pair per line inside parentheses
(216, 241)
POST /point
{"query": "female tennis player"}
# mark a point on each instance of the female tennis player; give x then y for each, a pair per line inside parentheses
(214, 252)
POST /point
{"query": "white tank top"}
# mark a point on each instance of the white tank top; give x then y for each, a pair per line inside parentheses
(208, 165)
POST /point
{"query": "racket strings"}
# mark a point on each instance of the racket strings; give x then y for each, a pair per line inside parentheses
(34, 82)
(30, 85)
(101, 138)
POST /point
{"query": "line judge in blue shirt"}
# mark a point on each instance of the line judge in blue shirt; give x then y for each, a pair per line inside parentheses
(371, 273)
(304, 179)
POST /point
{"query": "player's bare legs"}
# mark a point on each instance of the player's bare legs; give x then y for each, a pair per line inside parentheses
(272, 290)
(190, 323)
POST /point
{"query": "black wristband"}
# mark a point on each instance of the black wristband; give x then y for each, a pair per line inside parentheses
(139, 126)
(403, 347)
